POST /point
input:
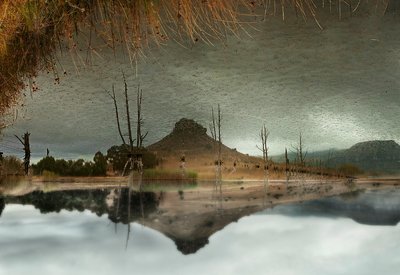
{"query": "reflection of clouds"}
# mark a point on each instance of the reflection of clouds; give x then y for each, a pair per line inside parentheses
(81, 243)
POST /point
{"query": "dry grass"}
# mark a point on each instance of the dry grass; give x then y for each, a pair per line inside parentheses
(32, 30)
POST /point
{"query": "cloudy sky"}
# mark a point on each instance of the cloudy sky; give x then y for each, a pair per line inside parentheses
(338, 87)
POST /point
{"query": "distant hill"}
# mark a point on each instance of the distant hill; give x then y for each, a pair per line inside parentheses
(379, 156)
(190, 138)
(382, 156)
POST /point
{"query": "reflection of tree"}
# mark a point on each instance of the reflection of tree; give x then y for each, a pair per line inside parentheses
(141, 205)
(92, 200)
(2, 205)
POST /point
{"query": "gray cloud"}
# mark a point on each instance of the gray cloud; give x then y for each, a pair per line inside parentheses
(338, 86)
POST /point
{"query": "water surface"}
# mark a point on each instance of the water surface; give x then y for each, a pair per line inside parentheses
(86, 232)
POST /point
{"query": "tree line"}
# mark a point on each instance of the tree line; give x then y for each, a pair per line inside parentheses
(116, 157)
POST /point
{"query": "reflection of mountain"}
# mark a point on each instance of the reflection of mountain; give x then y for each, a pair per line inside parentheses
(190, 221)
(190, 246)
(191, 231)
(365, 208)
(189, 228)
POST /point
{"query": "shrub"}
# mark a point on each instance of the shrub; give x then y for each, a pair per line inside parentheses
(169, 174)
(77, 168)
(11, 165)
(119, 155)
(49, 175)
(349, 169)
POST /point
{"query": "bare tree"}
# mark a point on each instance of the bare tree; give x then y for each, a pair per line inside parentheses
(264, 134)
(128, 117)
(301, 155)
(135, 156)
(113, 97)
(287, 167)
(139, 136)
(27, 150)
(215, 129)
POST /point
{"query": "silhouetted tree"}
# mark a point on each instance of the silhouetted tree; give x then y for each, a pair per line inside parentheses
(78, 168)
(100, 164)
(119, 155)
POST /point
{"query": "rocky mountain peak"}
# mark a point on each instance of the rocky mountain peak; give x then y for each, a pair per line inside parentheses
(189, 126)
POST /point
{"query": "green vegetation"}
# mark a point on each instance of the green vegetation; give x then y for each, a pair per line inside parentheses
(162, 174)
(51, 167)
(119, 155)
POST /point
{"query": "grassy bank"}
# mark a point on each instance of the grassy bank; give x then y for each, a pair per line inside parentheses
(164, 174)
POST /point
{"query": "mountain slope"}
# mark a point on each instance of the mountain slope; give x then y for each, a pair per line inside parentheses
(380, 156)
(190, 139)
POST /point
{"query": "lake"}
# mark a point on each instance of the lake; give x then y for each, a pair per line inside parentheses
(194, 230)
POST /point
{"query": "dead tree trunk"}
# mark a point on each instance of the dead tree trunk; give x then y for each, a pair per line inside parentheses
(114, 98)
(139, 136)
(216, 135)
(27, 150)
(219, 149)
(128, 117)
(139, 119)
(300, 152)
(287, 166)
(264, 148)
(301, 157)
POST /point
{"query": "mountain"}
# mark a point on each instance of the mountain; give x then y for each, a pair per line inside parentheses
(189, 138)
(382, 156)
(376, 156)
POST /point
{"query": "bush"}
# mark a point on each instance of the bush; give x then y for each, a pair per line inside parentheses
(119, 155)
(77, 168)
(349, 169)
(11, 165)
(168, 174)
(49, 175)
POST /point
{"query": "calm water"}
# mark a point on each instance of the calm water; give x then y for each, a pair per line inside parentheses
(103, 232)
